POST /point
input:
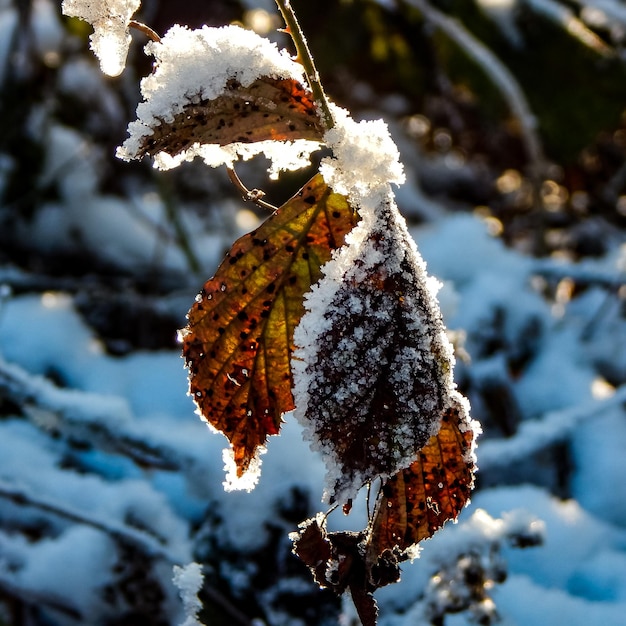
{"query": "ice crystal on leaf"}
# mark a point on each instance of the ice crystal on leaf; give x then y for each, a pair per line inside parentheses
(220, 94)
(110, 39)
(373, 368)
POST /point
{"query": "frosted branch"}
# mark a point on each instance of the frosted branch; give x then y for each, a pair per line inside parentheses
(120, 533)
(499, 75)
(536, 435)
(83, 416)
(580, 273)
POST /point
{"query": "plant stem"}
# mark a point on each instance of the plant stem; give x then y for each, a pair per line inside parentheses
(305, 57)
(250, 195)
(146, 30)
(182, 236)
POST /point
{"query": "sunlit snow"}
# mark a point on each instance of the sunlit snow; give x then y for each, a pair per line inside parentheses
(194, 65)
(80, 428)
(110, 39)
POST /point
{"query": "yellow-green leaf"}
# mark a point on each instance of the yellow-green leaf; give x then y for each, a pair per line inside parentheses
(239, 338)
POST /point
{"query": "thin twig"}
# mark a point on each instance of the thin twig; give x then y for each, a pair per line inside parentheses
(146, 30)
(325, 516)
(249, 195)
(306, 59)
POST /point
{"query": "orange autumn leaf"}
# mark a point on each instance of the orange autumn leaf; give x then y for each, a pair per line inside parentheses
(417, 501)
(239, 338)
(267, 109)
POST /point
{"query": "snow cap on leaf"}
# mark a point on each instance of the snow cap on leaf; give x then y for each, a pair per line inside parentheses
(365, 160)
(217, 78)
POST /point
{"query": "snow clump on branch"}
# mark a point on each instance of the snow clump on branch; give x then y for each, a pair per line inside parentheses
(110, 39)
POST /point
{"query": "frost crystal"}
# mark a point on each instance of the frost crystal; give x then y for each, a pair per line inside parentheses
(196, 65)
(110, 39)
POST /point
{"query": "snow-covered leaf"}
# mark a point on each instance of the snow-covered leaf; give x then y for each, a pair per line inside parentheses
(202, 100)
(373, 369)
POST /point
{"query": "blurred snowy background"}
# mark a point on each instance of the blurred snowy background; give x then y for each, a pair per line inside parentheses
(510, 118)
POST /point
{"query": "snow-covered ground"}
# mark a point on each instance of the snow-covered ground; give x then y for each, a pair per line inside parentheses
(90, 496)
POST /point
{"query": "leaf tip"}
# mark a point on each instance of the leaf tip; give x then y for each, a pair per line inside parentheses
(239, 477)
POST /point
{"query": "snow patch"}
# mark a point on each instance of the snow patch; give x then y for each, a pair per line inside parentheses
(189, 579)
(110, 39)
